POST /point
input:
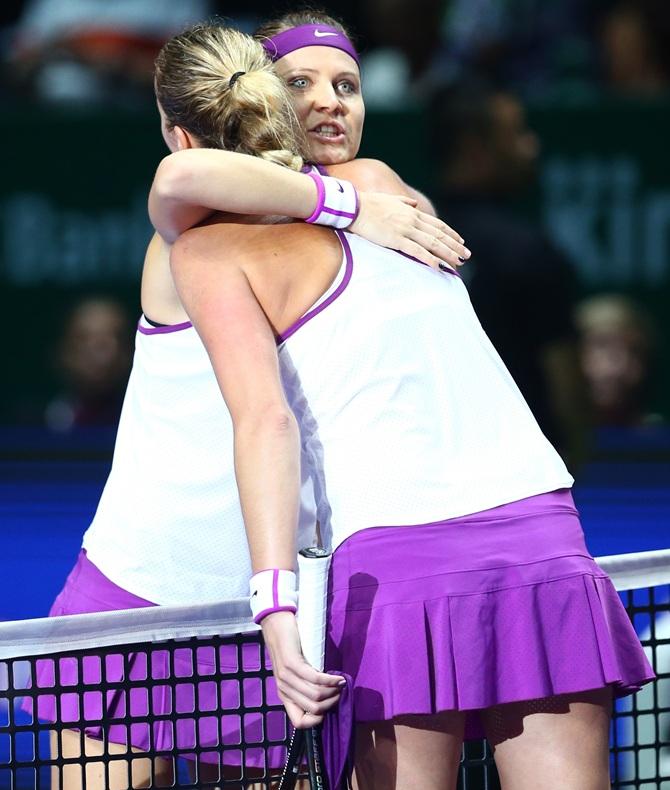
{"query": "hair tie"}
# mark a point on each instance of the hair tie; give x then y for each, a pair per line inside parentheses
(235, 78)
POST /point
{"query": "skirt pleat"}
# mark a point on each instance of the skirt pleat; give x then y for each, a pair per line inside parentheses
(471, 613)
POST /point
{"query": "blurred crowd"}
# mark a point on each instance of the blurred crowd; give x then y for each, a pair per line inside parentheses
(95, 50)
(472, 65)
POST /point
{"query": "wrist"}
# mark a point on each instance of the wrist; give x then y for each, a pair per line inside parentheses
(337, 203)
(271, 591)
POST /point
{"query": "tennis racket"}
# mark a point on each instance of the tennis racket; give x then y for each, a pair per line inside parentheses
(313, 565)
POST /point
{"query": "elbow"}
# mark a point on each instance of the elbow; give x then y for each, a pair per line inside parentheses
(169, 178)
(277, 421)
(167, 190)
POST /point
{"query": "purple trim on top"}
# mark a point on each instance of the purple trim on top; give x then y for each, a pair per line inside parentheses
(308, 36)
(326, 302)
(274, 609)
(163, 330)
(320, 197)
(337, 213)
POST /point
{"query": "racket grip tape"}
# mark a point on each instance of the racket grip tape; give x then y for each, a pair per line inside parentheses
(313, 567)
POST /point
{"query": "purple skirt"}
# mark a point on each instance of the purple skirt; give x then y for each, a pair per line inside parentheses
(500, 606)
(218, 717)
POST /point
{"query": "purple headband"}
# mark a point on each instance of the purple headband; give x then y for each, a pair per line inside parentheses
(308, 36)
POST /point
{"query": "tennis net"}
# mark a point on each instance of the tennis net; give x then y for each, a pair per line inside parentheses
(184, 697)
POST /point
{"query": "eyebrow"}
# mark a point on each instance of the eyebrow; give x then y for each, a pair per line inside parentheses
(297, 70)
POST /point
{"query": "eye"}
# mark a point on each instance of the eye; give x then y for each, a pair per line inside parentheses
(299, 83)
(346, 87)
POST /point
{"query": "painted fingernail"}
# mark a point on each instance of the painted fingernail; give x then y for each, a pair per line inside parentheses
(444, 267)
(462, 260)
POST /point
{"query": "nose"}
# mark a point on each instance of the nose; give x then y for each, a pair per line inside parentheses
(325, 98)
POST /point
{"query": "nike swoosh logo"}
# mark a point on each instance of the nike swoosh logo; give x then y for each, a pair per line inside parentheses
(323, 33)
(340, 187)
(255, 594)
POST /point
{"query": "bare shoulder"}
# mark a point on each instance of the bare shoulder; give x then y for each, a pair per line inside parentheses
(287, 266)
(371, 175)
(242, 244)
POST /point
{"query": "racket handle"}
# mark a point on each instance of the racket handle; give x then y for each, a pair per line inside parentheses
(313, 566)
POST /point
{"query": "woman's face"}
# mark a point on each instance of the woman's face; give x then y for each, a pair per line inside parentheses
(326, 87)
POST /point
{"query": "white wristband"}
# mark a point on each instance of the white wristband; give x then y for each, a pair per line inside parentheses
(271, 591)
(337, 202)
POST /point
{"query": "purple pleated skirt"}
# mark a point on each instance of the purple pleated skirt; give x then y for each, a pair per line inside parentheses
(500, 606)
(218, 718)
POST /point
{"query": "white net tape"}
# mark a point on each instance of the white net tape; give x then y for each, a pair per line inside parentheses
(48, 635)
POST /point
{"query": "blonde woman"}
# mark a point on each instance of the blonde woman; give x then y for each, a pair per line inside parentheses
(168, 528)
(313, 54)
(463, 598)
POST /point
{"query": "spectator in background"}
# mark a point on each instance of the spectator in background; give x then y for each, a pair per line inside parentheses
(635, 40)
(95, 50)
(92, 360)
(530, 46)
(405, 39)
(616, 354)
(520, 285)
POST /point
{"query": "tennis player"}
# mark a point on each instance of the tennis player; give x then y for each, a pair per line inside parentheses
(314, 55)
(462, 595)
(168, 528)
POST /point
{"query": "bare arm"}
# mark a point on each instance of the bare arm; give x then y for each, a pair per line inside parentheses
(190, 185)
(241, 345)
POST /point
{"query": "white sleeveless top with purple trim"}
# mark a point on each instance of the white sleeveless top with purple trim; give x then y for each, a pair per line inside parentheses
(169, 526)
(408, 414)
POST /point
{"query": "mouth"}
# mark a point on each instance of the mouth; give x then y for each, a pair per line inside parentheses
(328, 132)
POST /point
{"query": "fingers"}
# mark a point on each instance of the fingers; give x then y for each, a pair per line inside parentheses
(438, 242)
(443, 247)
(438, 225)
(420, 252)
(302, 687)
(299, 719)
(301, 704)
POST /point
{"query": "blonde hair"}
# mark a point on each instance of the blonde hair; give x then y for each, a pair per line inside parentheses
(219, 85)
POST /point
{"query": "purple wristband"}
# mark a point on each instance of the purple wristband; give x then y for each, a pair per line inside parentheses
(337, 202)
(320, 196)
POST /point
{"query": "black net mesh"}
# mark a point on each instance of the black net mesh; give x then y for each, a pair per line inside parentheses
(196, 713)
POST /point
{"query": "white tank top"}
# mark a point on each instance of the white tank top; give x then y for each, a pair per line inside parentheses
(408, 415)
(169, 526)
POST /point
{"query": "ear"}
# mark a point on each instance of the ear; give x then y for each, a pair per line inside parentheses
(184, 139)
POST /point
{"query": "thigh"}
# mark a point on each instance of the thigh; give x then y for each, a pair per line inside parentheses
(563, 739)
(409, 752)
(142, 771)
